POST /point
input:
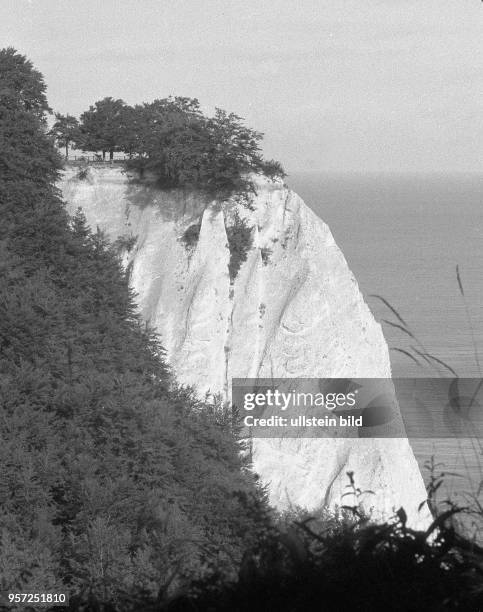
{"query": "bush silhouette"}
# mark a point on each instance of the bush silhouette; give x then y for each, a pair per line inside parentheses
(240, 240)
(343, 561)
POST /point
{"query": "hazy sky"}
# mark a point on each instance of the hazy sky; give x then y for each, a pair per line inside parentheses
(334, 84)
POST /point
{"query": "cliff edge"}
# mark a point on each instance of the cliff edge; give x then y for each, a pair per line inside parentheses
(293, 310)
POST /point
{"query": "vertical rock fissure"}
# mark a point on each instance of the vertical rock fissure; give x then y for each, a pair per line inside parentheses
(229, 326)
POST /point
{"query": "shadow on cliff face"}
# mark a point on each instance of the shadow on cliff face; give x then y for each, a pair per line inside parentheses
(175, 205)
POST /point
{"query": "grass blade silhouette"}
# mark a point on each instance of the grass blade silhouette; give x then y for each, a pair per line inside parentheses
(401, 327)
(458, 278)
(391, 308)
(468, 319)
(407, 353)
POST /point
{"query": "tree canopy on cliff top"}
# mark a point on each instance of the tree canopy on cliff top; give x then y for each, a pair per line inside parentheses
(172, 138)
(116, 484)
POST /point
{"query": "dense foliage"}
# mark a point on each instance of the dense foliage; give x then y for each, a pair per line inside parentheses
(338, 561)
(173, 139)
(65, 131)
(102, 127)
(240, 239)
(114, 483)
(21, 82)
(191, 235)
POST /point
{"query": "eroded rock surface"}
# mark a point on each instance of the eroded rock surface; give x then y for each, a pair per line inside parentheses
(294, 310)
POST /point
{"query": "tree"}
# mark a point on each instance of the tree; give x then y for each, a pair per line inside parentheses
(134, 129)
(102, 127)
(236, 153)
(184, 148)
(65, 131)
(19, 80)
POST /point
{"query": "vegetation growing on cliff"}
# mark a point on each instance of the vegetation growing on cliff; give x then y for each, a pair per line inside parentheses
(191, 235)
(240, 239)
(172, 138)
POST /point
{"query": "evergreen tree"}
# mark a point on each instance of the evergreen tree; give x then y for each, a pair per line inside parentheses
(116, 484)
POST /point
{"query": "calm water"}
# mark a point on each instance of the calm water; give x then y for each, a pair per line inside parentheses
(402, 236)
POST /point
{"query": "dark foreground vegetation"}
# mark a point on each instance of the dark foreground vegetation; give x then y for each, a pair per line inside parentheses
(114, 483)
(335, 564)
(118, 486)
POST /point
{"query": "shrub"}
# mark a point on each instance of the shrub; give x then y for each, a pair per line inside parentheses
(273, 169)
(342, 561)
(191, 236)
(244, 199)
(266, 252)
(125, 243)
(240, 241)
(83, 173)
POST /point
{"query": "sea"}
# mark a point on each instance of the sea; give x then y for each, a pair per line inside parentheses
(403, 236)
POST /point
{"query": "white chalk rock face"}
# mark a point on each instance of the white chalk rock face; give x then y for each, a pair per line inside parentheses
(295, 312)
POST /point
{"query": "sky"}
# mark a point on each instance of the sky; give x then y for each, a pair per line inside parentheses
(335, 85)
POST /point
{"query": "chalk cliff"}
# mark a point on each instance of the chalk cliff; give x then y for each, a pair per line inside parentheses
(296, 311)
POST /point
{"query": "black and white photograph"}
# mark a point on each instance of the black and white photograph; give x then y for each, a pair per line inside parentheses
(241, 305)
